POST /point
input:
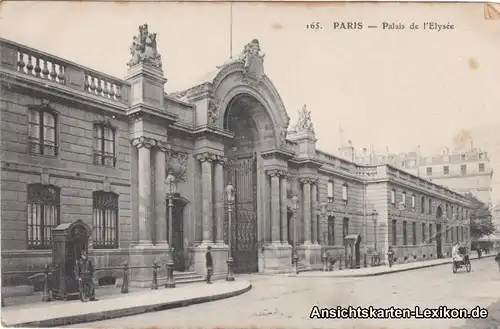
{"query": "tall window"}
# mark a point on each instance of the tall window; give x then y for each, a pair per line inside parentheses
(105, 220)
(344, 193)
(423, 232)
(430, 206)
(466, 233)
(43, 215)
(104, 144)
(403, 200)
(431, 237)
(447, 233)
(394, 233)
(43, 131)
(422, 205)
(405, 234)
(414, 233)
(345, 227)
(463, 169)
(429, 171)
(393, 197)
(481, 167)
(446, 170)
(413, 202)
(462, 233)
(330, 191)
(447, 213)
(331, 230)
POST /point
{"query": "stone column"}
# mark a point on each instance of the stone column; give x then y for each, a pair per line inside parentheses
(284, 209)
(219, 198)
(314, 211)
(306, 196)
(206, 160)
(160, 194)
(275, 206)
(144, 144)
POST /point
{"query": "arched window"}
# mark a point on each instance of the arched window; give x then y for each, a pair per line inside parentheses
(43, 131)
(104, 144)
(105, 220)
(43, 215)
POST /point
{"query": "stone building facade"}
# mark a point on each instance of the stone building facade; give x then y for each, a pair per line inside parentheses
(464, 169)
(121, 155)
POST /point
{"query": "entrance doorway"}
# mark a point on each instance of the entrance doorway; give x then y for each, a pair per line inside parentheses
(439, 251)
(178, 254)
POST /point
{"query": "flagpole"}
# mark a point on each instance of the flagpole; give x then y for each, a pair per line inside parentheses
(231, 30)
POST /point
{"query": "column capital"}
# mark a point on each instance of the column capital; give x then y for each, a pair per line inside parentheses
(220, 159)
(276, 172)
(145, 142)
(163, 146)
(309, 180)
(205, 156)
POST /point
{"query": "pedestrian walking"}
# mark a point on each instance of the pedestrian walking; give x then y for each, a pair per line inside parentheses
(209, 264)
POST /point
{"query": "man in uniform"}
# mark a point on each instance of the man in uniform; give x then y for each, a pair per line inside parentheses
(209, 264)
(84, 273)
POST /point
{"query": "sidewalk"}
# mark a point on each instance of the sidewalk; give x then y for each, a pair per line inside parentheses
(381, 270)
(60, 313)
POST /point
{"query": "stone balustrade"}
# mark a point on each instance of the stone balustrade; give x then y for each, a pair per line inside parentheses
(37, 64)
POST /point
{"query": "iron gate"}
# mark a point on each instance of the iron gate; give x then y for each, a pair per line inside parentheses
(242, 173)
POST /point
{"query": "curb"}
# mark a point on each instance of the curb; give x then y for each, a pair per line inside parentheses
(99, 316)
(378, 273)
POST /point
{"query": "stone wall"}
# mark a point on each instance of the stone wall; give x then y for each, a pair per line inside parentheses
(72, 171)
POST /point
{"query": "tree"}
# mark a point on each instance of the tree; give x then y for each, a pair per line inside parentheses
(481, 218)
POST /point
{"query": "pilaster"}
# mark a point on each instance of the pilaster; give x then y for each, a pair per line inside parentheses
(207, 159)
(219, 198)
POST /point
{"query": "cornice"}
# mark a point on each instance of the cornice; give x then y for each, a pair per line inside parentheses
(212, 130)
(307, 161)
(149, 111)
(280, 153)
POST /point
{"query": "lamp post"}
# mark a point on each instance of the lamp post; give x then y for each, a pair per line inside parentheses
(295, 208)
(170, 283)
(230, 196)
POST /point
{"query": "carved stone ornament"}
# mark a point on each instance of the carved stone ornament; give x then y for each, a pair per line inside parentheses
(221, 159)
(142, 141)
(212, 112)
(171, 183)
(308, 180)
(144, 49)
(277, 172)
(205, 157)
(163, 146)
(305, 122)
(177, 164)
(253, 60)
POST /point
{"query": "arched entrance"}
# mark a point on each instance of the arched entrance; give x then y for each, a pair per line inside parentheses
(247, 119)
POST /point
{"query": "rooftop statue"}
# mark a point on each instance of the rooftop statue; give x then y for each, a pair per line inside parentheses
(143, 48)
(305, 122)
(253, 59)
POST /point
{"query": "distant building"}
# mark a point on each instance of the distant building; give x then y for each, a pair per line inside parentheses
(462, 170)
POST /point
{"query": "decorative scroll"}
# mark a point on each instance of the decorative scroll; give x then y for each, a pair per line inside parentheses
(177, 163)
(142, 141)
(143, 49)
(221, 159)
(308, 180)
(277, 172)
(163, 146)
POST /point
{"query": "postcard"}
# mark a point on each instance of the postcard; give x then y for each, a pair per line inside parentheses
(250, 164)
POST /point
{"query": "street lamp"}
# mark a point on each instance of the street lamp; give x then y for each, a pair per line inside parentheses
(230, 196)
(170, 180)
(295, 208)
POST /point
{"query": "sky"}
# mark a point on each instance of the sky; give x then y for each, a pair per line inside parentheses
(390, 88)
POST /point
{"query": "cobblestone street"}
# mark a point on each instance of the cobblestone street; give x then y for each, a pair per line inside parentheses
(277, 301)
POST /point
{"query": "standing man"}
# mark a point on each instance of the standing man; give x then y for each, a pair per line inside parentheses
(84, 273)
(209, 264)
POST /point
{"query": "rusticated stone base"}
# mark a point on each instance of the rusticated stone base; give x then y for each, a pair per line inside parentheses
(146, 256)
(310, 256)
(276, 259)
(219, 256)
